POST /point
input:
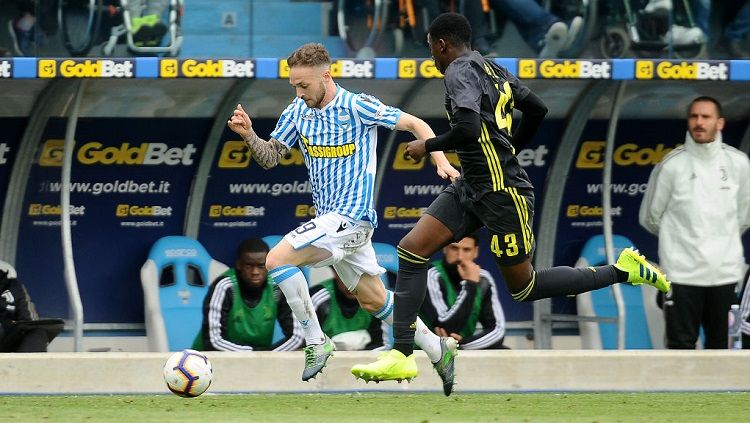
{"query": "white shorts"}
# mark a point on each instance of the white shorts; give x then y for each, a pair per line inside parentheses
(347, 240)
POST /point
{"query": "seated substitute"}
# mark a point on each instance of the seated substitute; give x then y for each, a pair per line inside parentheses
(242, 306)
(348, 325)
(18, 333)
(461, 294)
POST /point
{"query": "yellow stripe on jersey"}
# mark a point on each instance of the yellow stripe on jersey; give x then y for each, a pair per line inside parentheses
(523, 217)
(493, 160)
(489, 71)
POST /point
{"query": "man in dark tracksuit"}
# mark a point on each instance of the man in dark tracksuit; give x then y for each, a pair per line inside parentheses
(461, 294)
(15, 306)
(243, 305)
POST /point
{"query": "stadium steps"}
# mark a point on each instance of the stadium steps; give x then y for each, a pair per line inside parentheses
(262, 28)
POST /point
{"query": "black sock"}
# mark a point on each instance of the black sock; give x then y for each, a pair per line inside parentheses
(411, 287)
(622, 276)
(562, 280)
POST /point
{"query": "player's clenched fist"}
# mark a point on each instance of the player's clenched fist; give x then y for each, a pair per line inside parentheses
(240, 122)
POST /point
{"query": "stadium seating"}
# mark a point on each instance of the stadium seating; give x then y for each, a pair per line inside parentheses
(261, 28)
(175, 281)
(644, 326)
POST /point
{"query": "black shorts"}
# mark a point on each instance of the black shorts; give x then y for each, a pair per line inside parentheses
(507, 214)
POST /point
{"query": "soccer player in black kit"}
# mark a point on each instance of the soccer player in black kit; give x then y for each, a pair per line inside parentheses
(492, 191)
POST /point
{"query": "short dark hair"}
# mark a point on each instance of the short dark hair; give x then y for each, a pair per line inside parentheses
(451, 27)
(252, 245)
(474, 236)
(708, 99)
(310, 54)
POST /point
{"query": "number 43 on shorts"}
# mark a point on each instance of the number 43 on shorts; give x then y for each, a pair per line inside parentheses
(508, 246)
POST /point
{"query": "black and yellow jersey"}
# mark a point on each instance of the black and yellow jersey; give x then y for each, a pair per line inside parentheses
(480, 85)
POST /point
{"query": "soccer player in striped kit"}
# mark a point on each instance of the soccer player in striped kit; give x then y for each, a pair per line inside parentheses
(493, 191)
(336, 130)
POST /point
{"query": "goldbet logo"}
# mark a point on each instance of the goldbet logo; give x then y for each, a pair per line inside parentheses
(575, 69)
(527, 68)
(148, 154)
(191, 68)
(4, 150)
(578, 210)
(345, 68)
(304, 210)
(48, 68)
(701, 71)
(216, 210)
(52, 153)
(591, 155)
(125, 210)
(37, 209)
(234, 155)
(395, 212)
(412, 68)
(644, 69)
(401, 162)
(353, 69)
(92, 153)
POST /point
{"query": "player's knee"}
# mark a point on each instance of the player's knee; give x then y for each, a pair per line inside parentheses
(370, 301)
(274, 260)
(370, 304)
(414, 247)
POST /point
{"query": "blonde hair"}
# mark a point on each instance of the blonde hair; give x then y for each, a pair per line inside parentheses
(311, 54)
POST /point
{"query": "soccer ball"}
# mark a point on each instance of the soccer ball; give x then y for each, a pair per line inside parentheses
(188, 373)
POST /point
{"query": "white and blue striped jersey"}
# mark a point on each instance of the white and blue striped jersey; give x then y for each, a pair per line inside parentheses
(339, 143)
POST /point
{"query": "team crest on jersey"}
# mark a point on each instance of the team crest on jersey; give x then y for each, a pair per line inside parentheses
(328, 151)
(344, 119)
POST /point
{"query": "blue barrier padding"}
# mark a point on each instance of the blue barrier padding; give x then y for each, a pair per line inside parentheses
(146, 67)
(267, 68)
(623, 69)
(508, 63)
(24, 67)
(739, 70)
(386, 68)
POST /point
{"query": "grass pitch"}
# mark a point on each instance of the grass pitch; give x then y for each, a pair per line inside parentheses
(382, 407)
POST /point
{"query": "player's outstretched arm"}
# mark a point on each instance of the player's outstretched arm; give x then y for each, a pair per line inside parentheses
(422, 131)
(534, 110)
(266, 153)
(465, 130)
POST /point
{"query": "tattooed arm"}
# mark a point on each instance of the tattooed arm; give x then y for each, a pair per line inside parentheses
(266, 153)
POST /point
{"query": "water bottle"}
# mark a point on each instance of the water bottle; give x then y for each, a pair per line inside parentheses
(735, 328)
